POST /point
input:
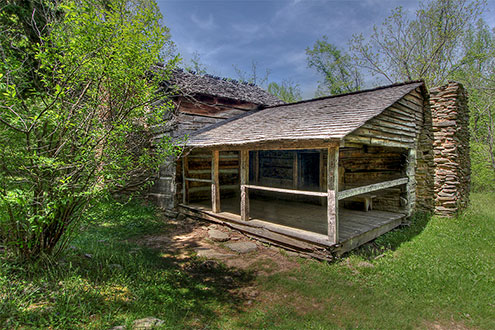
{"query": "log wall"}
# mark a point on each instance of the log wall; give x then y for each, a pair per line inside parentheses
(281, 169)
(396, 126)
(358, 166)
(199, 167)
(190, 115)
(366, 165)
(424, 162)
(406, 124)
(450, 117)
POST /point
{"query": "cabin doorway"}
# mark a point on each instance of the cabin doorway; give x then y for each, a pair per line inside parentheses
(309, 170)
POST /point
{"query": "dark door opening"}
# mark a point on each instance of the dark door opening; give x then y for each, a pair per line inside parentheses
(309, 171)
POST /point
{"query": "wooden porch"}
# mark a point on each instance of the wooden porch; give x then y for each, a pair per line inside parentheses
(323, 229)
(299, 224)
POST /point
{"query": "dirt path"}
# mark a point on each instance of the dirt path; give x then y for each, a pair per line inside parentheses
(186, 238)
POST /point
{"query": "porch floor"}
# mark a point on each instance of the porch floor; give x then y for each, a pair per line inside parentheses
(309, 218)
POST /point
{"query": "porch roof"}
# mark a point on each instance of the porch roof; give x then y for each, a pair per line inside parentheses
(327, 118)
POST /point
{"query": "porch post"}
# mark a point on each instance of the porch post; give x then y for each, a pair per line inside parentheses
(215, 182)
(244, 169)
(185, 186)
(411, 184)
(332, 189)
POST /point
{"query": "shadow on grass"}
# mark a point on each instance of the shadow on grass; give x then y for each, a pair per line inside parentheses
(104, 280)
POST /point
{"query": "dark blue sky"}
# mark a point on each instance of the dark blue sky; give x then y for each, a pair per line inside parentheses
(274, 34)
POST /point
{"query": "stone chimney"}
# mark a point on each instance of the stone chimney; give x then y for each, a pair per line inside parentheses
(450, 125)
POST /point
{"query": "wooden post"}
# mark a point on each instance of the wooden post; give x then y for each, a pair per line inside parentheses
(185, 187)
(411, 183)
(332, 189)
(295, 170)
(244, 166)
(323, 181)
(256, 162)
(215, 182)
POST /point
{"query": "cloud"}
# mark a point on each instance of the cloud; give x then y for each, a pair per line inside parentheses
(244, 28)
(204, 24)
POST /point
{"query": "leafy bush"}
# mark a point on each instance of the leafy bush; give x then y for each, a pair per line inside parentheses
(75, 122)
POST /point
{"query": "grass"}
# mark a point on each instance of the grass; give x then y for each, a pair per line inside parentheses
(439, 273)
(106, 280)
(433, 274)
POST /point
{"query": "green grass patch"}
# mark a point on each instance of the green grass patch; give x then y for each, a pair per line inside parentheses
(105, 279)
(435, 273)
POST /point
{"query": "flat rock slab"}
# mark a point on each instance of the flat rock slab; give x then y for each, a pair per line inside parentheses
(242, 247)
(212, 254)
(218, 236)
(147, 323)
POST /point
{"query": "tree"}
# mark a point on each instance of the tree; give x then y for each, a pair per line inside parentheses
(477, 74)
(76, 123)
(196, 65)
(427, 47)
(254, 76)
(340, 74)
(287, 91)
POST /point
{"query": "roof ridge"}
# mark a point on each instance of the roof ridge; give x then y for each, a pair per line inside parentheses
(351, 93)
(212, 76)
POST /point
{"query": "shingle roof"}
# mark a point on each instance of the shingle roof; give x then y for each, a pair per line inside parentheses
(331, 117)
(191, 84)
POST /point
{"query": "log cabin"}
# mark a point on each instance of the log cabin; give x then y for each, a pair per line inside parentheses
(200, 101)
(321, 176)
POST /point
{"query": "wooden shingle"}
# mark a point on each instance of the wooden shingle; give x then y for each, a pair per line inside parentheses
(327, 118)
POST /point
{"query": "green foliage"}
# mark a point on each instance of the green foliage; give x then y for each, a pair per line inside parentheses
(287, 91)
(483, 176)
(340, 74)
(106, 279)
(477, 74)
(84, 130)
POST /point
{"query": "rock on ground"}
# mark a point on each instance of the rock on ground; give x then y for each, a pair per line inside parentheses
(217, 235)
(212, 254)
(242, 247)
(147, 323)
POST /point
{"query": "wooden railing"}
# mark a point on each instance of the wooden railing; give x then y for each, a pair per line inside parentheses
(372, 187)
(330, 194)
(287, 191)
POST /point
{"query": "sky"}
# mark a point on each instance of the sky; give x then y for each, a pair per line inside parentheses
(274, 34)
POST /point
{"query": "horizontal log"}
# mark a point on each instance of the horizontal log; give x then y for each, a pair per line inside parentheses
(288, 191)
(377, 142)
(391, 123)
(401, 112)
(276, 145)
(394, 118)
(365, 132)
(205, 156)
(198, 180)
(404, 109)
(225, 171)
(371, 187)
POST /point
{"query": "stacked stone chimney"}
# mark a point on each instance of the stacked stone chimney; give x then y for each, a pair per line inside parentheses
(450, 125)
